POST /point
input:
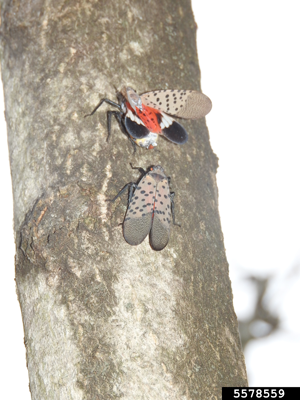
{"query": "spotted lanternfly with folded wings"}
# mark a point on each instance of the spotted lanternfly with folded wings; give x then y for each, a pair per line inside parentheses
(150, 205)
(146, 116)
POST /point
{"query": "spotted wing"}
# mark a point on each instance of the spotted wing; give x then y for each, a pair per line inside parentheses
(172, 130)
(188, 104)
(160, 231)
(138, 220)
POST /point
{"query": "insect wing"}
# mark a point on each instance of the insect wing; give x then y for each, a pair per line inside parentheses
(134, 125)
(137, 131)
(138, 220)
(151, 118)
(189, 104)
(172, 130)
(160, 231)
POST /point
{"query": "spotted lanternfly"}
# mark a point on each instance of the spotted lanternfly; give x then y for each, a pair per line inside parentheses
(146, 116)
(150, 205)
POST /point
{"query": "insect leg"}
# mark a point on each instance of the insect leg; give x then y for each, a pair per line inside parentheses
(112, 103)
(118, 116)
(142, 171)
(172, 195)
(133, 143)
(132, 186)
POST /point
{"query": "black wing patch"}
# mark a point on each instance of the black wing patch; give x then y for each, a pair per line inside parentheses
(137, 131)
(175, 133)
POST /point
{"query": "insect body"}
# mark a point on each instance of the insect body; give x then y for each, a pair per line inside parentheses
(150, 206)
(146, 116)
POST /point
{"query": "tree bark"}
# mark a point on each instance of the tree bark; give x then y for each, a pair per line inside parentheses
(102, 319)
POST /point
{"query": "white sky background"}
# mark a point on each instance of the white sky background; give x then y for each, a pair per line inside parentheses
(250, 63)
(249, 54)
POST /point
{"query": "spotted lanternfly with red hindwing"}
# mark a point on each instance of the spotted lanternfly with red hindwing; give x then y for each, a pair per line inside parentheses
(146, 116)
(150, 206)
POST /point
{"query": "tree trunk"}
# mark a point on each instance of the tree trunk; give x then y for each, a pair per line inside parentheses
(103, 319)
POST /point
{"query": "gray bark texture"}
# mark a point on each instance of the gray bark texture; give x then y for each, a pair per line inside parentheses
(102, 319)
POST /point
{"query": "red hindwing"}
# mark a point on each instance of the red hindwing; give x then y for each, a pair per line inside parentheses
(150, 117)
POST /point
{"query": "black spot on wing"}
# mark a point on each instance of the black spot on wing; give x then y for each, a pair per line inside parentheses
(175, 133)
(135, 130)
(158, 117)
